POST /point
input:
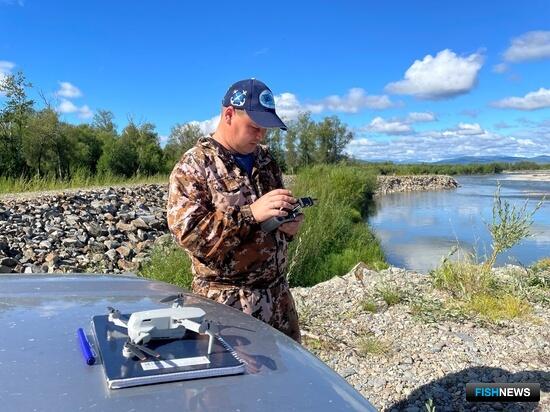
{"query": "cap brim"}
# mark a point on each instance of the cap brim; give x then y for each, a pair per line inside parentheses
(266, 119)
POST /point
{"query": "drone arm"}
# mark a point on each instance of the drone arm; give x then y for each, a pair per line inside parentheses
(210, 341)
(140, 338)
(202, 328)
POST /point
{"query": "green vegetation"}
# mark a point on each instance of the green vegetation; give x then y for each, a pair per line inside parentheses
(169, 263)
(334, 236)
(476, 290)
(390, 294)
(509, 226)
(77, 180)
(38, 150)
(389, 168)
(371, 345)
(495, 307)
(368, 305)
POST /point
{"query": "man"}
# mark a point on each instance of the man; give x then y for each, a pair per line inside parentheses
(220, 191)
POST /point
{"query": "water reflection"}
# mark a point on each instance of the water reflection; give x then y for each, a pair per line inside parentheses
(418, 229)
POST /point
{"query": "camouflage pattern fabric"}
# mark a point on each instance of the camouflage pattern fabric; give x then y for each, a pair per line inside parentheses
(233, 261)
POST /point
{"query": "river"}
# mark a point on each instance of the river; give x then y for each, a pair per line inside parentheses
(417, 229)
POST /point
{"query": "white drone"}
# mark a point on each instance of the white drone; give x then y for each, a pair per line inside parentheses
(161, 324)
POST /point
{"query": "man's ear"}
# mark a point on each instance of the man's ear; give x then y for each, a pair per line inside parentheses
(228, 113)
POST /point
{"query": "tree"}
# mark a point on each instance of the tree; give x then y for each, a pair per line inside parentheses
(274, 141)
(13, 123)
(305, 130)
(291, 154)
(103, 121)
(39, 142)
(182, 138)
(332, 136)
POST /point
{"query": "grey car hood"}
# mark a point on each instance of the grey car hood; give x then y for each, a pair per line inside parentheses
(42, 369)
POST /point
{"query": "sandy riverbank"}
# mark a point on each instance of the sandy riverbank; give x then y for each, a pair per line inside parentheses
(531, 176)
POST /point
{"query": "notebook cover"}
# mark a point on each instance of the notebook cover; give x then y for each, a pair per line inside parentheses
(181, 359)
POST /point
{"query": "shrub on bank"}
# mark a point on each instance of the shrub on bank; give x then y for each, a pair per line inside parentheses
(334, 236)
(169, 263)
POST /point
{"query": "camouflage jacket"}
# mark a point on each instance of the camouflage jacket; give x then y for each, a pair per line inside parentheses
(209, 215)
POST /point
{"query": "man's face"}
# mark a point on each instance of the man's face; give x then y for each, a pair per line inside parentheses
(246, 134)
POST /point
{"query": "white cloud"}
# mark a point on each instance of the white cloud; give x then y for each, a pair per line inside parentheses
(5, 69)
(379, 125)
(500, 68)
(68, 90)
(289, 107)
(435, 145)
(443, 76)
(531, 101)
(207, 126)
(356, 100)
(469, 129)
(532, 45)
(67, 107)
(84, 112)
(417, 117)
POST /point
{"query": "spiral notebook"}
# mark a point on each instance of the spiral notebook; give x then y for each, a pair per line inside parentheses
(181, 359)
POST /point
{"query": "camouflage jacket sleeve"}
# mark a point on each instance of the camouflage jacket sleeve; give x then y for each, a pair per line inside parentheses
(206, 232)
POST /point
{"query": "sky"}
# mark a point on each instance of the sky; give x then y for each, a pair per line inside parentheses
(414, 81)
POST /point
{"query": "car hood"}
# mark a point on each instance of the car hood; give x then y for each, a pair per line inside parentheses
(42, 369)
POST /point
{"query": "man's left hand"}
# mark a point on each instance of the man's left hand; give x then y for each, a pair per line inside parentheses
(291, 228)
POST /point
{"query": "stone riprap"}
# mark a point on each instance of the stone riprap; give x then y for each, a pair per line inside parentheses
(395, 184)
(402, 355)
(106, 230)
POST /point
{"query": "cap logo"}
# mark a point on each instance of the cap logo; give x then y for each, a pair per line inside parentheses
(267, 100)
(238, 98)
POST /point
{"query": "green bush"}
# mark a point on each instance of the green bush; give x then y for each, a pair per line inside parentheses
(334, 237)
(170, 264)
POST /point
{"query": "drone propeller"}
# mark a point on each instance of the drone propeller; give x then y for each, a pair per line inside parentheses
(148, 351)
(132, 349)
(139, 351)
(176, 299)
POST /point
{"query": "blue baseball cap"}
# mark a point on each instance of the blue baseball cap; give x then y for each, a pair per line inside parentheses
(254, 97)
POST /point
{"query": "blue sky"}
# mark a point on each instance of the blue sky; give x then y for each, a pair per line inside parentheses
(417, 81)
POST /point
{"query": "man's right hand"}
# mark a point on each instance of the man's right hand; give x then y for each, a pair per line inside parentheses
(272, 204)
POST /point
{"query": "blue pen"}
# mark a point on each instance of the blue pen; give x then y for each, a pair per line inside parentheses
(85, 347)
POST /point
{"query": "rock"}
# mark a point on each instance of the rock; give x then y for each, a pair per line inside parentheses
(72, 243)
(9, 262)
(124, 251)
(139, 223)
(125, 227)
(46, 244)
(52, 258)
(348, 372)
(5, 269)
(111, 254)
(127, 266)
(111, 244)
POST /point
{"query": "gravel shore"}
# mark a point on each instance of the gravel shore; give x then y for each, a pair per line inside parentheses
(399, 357)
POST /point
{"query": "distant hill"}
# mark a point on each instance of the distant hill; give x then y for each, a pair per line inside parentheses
(493, 159)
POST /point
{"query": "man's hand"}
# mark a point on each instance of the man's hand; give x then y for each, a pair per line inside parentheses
(291, 228)
(272, 204)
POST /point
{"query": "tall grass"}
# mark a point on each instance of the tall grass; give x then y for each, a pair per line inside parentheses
(334, 236)
(169, 263)
(79, 179)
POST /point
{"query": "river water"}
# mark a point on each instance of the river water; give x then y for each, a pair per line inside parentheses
(418, 229)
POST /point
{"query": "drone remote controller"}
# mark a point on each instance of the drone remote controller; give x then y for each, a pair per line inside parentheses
(274, 222)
